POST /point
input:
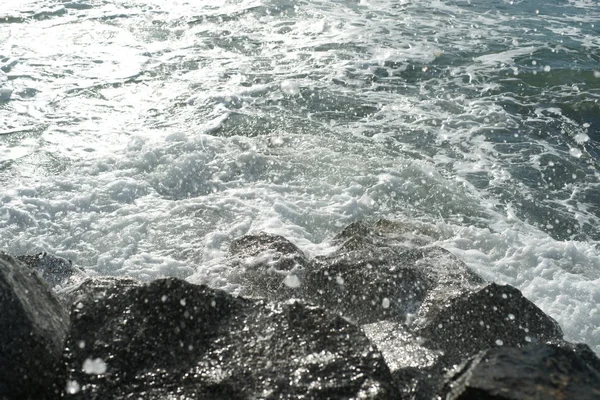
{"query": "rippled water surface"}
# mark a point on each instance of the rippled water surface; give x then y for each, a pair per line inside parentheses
(140, 137)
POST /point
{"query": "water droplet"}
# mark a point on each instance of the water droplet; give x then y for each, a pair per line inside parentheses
(290, 88)
(72, 387)
(575, 152)
(292, 281)
(95, 366)
(385, 303)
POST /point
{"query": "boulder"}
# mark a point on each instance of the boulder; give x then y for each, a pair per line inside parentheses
(385, 234)
(495, 315)
(53, 269)
(536, 371)
(368, 286)
(267, 266)
(416, 369)
(173, 339)
(94, 288)
(378, 272)
(33, 328)
(422, 307)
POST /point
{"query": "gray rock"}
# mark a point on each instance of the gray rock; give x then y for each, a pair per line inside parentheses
(492, 316)
(378, 272)
(53, 269)
(170, 338)
(368, 286)
(33, 328)
(263, 263)
(385, 234)
(365, 288)
(94, 288)
(533, 372)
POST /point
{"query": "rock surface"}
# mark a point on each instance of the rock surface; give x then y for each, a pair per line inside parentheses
(33, 328)
(53, 269)
(171, 338)
(367, 287)
(386, 315)
(94, 288)
(496, 315)
(420, 305)
(533, 372)
(267, 266)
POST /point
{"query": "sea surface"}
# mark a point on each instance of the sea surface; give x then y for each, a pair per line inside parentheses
(138, 138)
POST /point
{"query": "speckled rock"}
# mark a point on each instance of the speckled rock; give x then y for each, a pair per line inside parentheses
(537, 371)
(267, 266)
(496, 315)
(53, 269)
(33, 328)
(172, 338)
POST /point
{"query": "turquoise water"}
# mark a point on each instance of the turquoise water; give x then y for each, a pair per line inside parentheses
(140, 137)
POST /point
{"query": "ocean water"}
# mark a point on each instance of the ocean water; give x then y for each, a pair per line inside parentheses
(138, 138)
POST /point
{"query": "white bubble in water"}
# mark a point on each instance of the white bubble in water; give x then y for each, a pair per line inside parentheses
(72, 387)
(575, 152)
(597, 74)
(289, 87)
(385, 303)
(499, 342)
(292, 281)
(339, 280)
(94, 366)
(581, 138)
(547, 68)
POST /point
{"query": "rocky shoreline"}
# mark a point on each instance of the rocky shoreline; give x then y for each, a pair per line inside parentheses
(386, 316)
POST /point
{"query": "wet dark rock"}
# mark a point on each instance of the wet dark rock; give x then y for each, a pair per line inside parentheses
(33, 328)
(53, 269)
(420, 305)
(172, 338)
(366, 287)
(385, 315)
(267, 266)
(378, 271)
(537, 371)
(416, 369)
(583, 351)
(384, 234)
(94, 288)
(492, 316)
